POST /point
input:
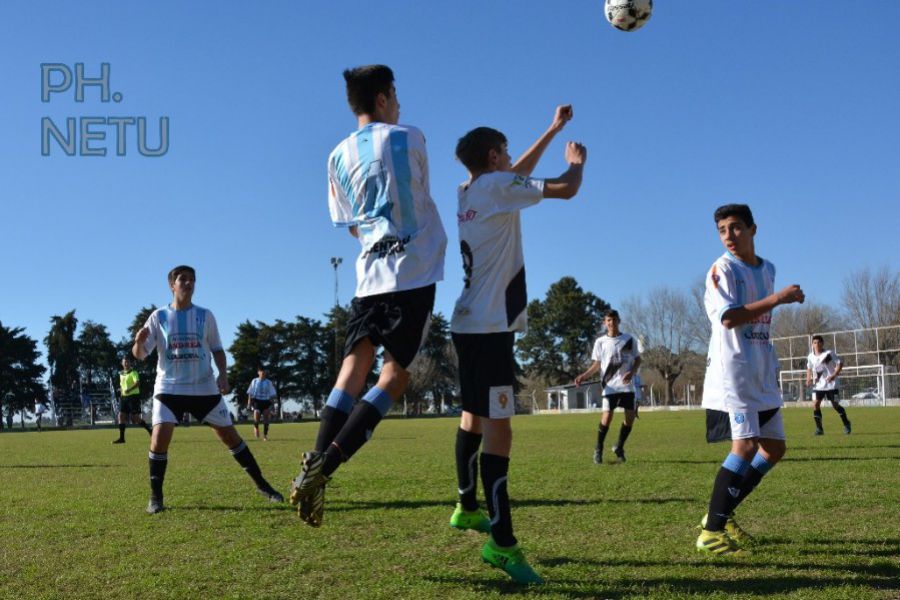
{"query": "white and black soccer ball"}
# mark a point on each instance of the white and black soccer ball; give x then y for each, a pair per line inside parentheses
(628, 15)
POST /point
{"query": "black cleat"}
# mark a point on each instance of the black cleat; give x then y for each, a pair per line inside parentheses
(847, 427)
(155, 506)
(270, 494)
(819, 432)
(598, 456)
(118, 441)
(620, 453)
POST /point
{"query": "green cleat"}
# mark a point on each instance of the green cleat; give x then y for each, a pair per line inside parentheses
(470, 519)
(512, 561)
(718, 543)
(733, 530)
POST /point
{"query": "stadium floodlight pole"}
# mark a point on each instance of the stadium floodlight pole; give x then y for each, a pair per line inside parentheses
(335, 263)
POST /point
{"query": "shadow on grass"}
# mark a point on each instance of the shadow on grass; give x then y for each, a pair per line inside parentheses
(576, 588)
(339, 505)
(787, 458)
(82, 466)
(889, 547)
(860, 447)
(223, 508)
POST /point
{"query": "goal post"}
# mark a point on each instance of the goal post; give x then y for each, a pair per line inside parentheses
(858, 385)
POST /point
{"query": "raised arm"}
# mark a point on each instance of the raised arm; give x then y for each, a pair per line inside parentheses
(742, 315)
(567, 185)
(526, 163)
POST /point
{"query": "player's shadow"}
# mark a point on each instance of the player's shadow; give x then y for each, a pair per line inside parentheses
(223, 508)
(889, 547)
(79, 466)
(836, 458)
(339, 505)
(842, 447)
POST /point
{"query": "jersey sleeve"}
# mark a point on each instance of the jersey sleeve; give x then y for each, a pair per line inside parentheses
(338, 204)
(250, 387)
(635, 347)
(514, 192)
(595, 353)
(720, 294)
(809, 362)
(152, 326)
(212, 333)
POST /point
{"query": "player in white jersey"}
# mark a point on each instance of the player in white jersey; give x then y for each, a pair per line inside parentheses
(378, 188)
(260, 395)
(740, 391)
(488, 313)
(822, 370)
(186, 338)
(616, 356)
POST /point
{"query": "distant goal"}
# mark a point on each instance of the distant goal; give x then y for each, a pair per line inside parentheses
(859, 385)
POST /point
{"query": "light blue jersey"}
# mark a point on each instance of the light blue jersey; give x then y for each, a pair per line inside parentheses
(261, 389)
(378, 183)
(184, 341)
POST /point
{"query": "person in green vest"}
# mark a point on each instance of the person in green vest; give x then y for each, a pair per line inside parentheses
(129, 399)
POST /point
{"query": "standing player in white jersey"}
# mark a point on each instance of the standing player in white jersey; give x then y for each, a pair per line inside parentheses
(186, 337)
(740, 390)
(487, 315)
(616, 356)
(822, 370)
(378, 188)
(260, 394)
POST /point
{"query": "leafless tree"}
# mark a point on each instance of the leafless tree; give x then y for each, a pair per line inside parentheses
(872, 299)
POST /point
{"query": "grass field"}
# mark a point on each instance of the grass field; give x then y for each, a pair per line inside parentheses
(73, 526)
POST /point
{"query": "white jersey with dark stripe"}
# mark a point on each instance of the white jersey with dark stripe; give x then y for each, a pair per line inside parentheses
(261, 389)
(823, 366)
(741, 366)
(616, 356)
(184, 341)
(494, 297)
(378, 183)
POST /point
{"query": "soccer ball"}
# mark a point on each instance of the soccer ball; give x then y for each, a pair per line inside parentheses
(628, 15)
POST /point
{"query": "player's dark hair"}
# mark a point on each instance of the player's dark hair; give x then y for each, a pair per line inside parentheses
(612, 313)
(741, 211)
(174, 273)
(819, 338)
(364, 84)
(473, 149)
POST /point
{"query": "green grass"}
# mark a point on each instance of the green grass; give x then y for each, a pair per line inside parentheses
(74, 526)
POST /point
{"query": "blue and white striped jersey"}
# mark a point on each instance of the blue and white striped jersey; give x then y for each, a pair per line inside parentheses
(184, 341)
(742, 368)
(378, 183)
(261, 389)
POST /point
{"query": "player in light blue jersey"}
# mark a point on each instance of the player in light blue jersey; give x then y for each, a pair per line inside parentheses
(260, 395)
(377, 188)
(740, 391)
(186, 339)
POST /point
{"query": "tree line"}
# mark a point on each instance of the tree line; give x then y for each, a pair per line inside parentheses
(302, 356)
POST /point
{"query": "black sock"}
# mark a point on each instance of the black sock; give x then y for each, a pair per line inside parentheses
(121, 431)
(332, 421)
(244, 457)
(494, 471)
(758, 468)
(352, 436)
(840, 410)
(624, 432)
(817, 415)
(158, 463)
(601, 436)
(726, 490)
(145, 426)
(266, 429)
(467, 444)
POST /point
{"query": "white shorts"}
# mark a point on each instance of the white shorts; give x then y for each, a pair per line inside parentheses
(168, 408)
(746, 425)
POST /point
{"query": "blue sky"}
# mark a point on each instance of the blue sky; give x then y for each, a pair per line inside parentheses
(789, 106)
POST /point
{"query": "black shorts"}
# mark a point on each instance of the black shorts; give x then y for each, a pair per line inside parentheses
(826, 394)
(130, 405)
(261, 405)
(487, 373)
(200, 407)
(718, 424)
(396, 320)
(623, 399)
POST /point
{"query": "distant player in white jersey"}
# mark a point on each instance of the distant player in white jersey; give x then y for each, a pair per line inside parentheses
(822, 370)
(740, 391)
(260, 395)
(617, 358)
(186, 338)
(378, 188)
(489, 312)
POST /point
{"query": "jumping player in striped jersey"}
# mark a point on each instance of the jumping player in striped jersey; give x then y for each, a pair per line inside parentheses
(822, 370)
(260, 394)
(740, 391)
(377, 188)
(489, 312)
(186, 337)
